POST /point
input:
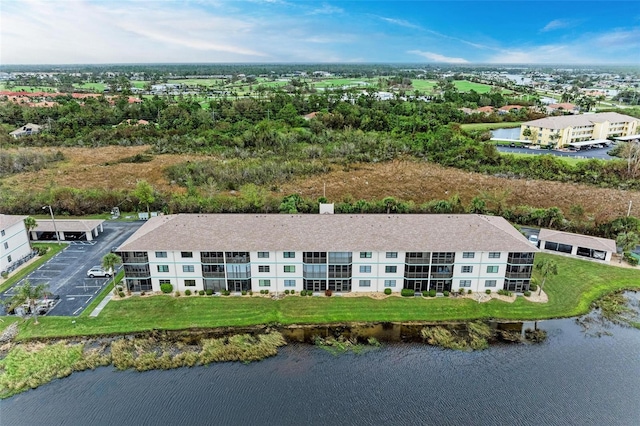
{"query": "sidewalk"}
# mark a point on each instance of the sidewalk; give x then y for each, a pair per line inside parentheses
(100, 306)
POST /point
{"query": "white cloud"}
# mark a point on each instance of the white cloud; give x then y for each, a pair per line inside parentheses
(327, 9)
(556, 24)
(400, 22)
(438, 58)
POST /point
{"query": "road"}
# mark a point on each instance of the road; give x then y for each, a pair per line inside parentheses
(65, 273)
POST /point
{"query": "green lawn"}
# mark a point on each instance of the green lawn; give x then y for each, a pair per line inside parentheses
(571, 293)
(423, 85)
(96, 87)
(490, 126)
(29, 88)
(466, 86)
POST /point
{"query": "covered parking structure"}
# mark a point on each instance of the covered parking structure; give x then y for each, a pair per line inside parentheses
(630, 138)
(577, 245)
(584, 144)
(67, 229)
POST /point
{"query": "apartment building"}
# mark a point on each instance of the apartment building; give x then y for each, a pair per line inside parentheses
(14, 241)
(341, 252)
(578, 129)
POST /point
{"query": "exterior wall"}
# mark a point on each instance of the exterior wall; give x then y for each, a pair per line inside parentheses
(570, 134)
(268, 273)
(574, 253)
(17, 244)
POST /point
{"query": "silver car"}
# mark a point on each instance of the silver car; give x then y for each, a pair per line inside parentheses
(97, 271)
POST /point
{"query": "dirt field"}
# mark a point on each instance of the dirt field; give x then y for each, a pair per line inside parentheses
(405, 180)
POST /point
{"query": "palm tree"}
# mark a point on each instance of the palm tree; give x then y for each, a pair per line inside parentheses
(546, 267)
(628, 241)
(27, 293)
(109, 263)
(30, 224)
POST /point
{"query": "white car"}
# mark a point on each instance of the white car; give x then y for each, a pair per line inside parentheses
(533, 239)
(97, 271)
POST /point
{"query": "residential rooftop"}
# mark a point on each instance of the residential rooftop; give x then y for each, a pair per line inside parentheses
(579, 240)
(563, 121)
(7, 220)
(338, 232)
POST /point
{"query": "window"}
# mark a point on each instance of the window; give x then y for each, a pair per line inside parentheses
(494, 255)
(264, 283)
(467, 269)
(465, 283)
(161, 254)
(263, 268)
(492, 269)
(365, 269)
(289, 254)
(289, 268)
(6, 245)
(163, 268)
(263, 255)
(189, 283)
(468, 255)
(389, 283)
(390, 269)
(9, 258)
(392, 255)
(289, 283)
(188, 268)
(364, 283)
(165, 282)
(2, 232)
(489, 283)
(365, 255)
(186, 254)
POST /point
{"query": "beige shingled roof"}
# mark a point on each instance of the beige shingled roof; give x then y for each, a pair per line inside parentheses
(586, 241)
(67, 225)
(339, 232)
(563, 121)
(7, 220)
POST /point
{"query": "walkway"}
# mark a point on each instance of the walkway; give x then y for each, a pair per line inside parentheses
(100, 306)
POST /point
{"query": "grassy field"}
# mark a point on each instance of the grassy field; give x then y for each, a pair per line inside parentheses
(423, 85)
(96, 87)
(29, 88)
(490, 126)
(331, 82)
(569, 160)
(466, 86)
(578, 284)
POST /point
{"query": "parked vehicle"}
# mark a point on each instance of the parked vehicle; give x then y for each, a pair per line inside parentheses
(97, 271)
(533, 239)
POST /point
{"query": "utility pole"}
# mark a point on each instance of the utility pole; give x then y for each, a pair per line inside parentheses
(54, 223)
(629, 209)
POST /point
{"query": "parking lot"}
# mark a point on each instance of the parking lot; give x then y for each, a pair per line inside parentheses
(65, 273)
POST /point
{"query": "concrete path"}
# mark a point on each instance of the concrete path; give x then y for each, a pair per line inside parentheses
(100, 306)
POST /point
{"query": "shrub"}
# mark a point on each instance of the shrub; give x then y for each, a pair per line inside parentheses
(387, 291)
(4, 274)
(209, 292)
(177, 293)
(166, 288)
(293, 292)
(201, 292)
(42, 251)
(527, 293)
(286, 292)
(631, 260)
(328, 293)
(226, 293)
(121, 293)
(407, 292)
(432, 293)
(445, 293)
(244, 292)
(309, 293)
(303, 292)
(250, 293)
(487, 291)
(142, 293)
(119, 287)
(425, 293)
(469, 291)
(461, 290)
(533, 287)
(187, 292)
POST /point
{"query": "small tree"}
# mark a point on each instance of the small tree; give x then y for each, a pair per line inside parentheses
(109, 263)
(144, 193)
(30, 224)
(27, 293)
(628, 241)
(546, 267)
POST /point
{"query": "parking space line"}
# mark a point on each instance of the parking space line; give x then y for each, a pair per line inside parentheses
(76, 311)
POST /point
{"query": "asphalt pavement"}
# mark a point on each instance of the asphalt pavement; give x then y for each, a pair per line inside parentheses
(65, 273)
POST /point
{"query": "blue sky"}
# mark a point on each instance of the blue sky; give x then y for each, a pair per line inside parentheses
(145, 31)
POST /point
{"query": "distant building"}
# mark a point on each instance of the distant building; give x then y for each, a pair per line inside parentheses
(26, 130)
(563, 107)
(582, 129)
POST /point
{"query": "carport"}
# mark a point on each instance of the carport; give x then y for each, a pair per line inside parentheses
(577, 245)
(630, 138)
(68, 229)
(580, 145)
